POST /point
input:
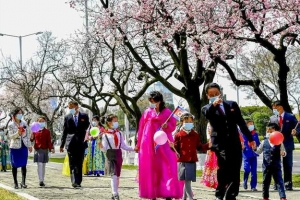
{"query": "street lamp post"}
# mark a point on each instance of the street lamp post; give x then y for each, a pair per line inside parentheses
(20, 41)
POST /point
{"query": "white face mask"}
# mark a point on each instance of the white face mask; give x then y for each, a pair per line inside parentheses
(115, 125)
(94, 123)
(152, 105)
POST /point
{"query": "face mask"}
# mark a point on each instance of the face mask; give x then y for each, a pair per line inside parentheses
(268, 135)
(251, 127)
(72, 111)
(188, 126)
(152, 105)
(94, 123)
(1, 132)
(275, 112)
(19, 116)
(212, 99)
(115, 125)
(42, 124)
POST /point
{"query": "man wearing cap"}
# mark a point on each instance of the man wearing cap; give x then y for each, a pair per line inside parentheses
(289, 127)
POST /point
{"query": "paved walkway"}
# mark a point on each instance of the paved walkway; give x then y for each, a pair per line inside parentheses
(59, 187)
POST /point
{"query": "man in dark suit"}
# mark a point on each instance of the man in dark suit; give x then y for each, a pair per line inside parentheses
(224, 118)
(289, 127)
(75, 127)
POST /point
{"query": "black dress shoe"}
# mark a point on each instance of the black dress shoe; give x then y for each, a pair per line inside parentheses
(42, 184)
(16, 186)
(289, 188)
(23, 185)
(75, 185)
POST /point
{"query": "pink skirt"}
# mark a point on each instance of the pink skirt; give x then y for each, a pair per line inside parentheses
(209, 175)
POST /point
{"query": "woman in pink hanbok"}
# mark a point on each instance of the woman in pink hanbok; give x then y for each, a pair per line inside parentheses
(157, 165)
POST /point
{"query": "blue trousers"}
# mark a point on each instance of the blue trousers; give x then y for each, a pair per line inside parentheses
(250, 165)
(276, 172)
(288, 168)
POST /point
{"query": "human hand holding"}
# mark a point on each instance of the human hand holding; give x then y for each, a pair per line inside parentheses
(171, 145)
(218, 100)
(164, 125)
(32, 136)
(52, 151)
(294, 132)
(136, 149)
(20, 132)
(30, 149)
(252, 145)
(282, 153)
(61, 150)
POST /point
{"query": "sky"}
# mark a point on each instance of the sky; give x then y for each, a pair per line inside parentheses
(22, 17)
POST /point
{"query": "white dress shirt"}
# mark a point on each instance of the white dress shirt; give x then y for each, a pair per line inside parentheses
(121, 143)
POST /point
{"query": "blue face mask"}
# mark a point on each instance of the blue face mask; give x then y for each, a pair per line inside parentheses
(212, 99)
(152, 105)
(115, 125)
(19, 116)
(268, 135)
(94, 123)
(188, 126)
(1, 132)
(42, 124)
(251, 127)
(275, 112)
(72, 111)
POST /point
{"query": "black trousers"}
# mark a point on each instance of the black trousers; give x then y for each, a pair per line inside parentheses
(76, 157)
(228, 174)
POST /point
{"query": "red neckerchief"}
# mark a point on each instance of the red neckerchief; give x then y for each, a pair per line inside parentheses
(253, 132)
(114, 132)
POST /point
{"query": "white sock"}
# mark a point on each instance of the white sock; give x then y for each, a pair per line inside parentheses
(44, 171)
(41, 171)
(118, 181)
(114, 185)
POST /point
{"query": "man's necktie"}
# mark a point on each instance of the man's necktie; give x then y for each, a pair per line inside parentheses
(280, 121)
(75, 120)
(221, 110)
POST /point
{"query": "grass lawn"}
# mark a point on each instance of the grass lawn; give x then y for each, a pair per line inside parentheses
(7, 195)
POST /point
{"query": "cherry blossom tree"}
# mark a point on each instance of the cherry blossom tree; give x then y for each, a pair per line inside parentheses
(193, 37)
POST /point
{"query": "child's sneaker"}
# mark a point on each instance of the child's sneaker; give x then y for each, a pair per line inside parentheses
(116, 197)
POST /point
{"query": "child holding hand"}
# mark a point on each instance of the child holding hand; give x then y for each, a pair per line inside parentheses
(186, 143)
(272, 163)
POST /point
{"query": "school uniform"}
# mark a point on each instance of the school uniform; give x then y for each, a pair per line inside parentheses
(42, 146)
(271, 167)
(112, 143)
(186, 144)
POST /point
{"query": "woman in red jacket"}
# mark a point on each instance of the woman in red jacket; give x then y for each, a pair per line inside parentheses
(187, 142)
(42, 146)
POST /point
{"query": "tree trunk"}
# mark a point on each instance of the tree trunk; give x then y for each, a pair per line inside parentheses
(282, 80)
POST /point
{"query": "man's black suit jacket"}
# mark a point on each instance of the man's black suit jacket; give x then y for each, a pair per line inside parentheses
(73, 136)
(225, 133)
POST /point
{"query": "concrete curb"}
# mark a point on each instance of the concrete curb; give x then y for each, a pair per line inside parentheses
(21, 194)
